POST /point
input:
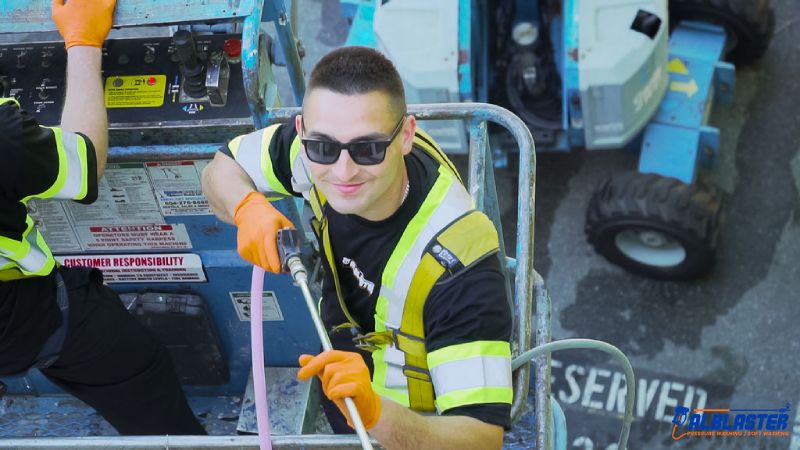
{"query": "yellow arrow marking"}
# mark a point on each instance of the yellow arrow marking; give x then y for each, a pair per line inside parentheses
(689, 88)
(677, 66)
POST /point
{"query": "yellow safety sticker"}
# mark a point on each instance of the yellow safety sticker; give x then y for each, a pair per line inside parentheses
(135, 91)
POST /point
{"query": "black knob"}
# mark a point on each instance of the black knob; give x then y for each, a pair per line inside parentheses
(184, 47)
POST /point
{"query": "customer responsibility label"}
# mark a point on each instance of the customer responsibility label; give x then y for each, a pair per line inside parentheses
(142, 268)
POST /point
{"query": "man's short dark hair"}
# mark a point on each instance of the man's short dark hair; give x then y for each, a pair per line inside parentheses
(359, 70)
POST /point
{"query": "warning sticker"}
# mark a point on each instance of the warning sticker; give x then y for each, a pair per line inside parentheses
(177, 187)
(271, 311)
(134, 237)
(124, 198)
(136, 91)
(146, 268)
(52, 221)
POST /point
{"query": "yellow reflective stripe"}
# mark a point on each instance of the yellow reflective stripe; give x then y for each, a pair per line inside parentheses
(11, 249)
(480, 371)
(32, 258)
(428, 272)
(379, 378)
(61, 178)
(316, 200)
(76, 166)
(415, 227)
(83, 157)
(251, 152)
(410, 235)
(468, 350)
(474, 396)
(471, 238)
(294, 150)
(9, 100)
(426, 142)
(327, 249)
(49, 262)
(266, 161)
(234, 144)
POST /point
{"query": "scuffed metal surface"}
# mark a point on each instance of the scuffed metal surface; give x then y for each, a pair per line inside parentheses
(289, 402)
(65, 416)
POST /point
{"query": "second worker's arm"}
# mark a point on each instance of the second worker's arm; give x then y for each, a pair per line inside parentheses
(84, 109)
(225, 184)
(84, 25)
(234, 198)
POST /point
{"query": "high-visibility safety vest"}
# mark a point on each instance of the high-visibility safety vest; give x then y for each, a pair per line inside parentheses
(445, 236)
(30, 256)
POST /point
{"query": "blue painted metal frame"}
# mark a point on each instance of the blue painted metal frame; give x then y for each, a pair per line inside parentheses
(679, 138)
(276, 11)
(479, 52)
(27, 16)
(361, 32)
(465, 79)
(212, 240)
(572, 112)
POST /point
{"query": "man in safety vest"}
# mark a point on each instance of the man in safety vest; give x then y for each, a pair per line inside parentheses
(412, 273)
(65, 321)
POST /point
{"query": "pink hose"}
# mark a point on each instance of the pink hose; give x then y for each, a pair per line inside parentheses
(257, 345)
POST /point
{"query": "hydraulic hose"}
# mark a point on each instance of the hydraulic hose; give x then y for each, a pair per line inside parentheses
(257, 346)
(566, 344)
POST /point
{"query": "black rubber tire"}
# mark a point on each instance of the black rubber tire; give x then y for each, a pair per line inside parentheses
(633, 201)
(752, 22)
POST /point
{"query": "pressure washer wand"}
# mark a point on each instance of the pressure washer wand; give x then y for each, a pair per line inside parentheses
(289, 251)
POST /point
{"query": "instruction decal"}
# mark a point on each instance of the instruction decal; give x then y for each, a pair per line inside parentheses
(136, 91)
(271, 311)
(53, 222)
(125, 197)
(177, 187)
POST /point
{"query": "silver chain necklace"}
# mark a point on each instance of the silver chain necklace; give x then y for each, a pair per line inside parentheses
(405, 192)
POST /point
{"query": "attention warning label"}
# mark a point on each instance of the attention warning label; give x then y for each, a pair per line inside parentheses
(137, 91)
(135, 237)
(149, 268)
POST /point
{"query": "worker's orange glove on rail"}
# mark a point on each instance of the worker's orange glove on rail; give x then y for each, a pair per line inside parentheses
(83, 22)
(344, 374)
(258, 223)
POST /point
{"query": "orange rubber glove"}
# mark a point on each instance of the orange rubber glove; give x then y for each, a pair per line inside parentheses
(257, 238)
(344, 374)
(83, 22)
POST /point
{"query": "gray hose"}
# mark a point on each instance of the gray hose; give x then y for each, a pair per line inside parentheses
(567, 344)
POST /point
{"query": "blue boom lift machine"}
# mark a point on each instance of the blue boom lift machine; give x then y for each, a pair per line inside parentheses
(592, 74)
(180, 79)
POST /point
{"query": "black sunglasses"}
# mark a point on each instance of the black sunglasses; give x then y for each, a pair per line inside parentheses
(364, 153)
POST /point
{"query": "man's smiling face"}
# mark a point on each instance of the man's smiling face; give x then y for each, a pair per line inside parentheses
(368, 191)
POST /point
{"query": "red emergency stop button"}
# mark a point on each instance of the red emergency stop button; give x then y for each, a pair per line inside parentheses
(233, 49)
(151, 81)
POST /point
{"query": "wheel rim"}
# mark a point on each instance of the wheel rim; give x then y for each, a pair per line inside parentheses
(650, 247)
